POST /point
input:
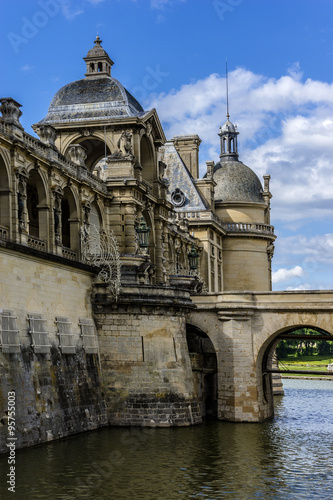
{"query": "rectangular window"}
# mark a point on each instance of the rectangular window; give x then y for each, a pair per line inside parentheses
(9, 334)
(39, 334)
(66, 337)
(212, 275)
(88, 334)
(219, 277)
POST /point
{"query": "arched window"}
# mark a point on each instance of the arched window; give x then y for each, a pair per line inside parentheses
(4, 199)
(147, 160)
(65, 226)
(32, 206)
(95, 150)
(37, 207)
(100, 67)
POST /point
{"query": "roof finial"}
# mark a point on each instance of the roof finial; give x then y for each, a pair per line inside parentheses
(226, 83)
(98, 40)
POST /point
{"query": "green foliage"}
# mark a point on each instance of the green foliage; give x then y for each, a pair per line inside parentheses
(299, 348)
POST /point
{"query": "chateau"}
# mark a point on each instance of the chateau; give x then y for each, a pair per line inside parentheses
(131, 290)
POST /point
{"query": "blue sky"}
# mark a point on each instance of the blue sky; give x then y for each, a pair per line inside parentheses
(171, 55)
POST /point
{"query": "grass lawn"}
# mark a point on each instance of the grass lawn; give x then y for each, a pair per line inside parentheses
(312, 363)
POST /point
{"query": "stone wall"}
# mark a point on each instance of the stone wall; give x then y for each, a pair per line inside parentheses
(145, 359)
(58, 385)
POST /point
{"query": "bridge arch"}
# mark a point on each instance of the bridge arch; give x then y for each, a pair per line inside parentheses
(266, 361)
(242, 327)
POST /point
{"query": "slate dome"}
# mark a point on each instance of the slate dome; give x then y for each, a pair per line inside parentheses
(98, 96)
(92, 99)
(236, 183)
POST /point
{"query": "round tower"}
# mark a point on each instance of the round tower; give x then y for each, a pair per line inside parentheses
(244, 205)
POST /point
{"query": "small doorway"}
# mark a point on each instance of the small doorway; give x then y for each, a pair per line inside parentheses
(204, 369)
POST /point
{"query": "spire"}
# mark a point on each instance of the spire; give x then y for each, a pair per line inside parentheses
(228, 132)
(98, 61)
(227, 90)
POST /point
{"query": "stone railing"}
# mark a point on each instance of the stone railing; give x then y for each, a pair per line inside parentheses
(3, 233)
(202, 215)
(245, 227)
(67, 253)
(36, 243)
(54, 156)
(5, 128)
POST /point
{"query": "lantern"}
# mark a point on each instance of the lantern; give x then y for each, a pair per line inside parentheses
(193, 258)
(143, 233)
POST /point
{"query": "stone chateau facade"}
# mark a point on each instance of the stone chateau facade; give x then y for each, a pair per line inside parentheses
(109, 243)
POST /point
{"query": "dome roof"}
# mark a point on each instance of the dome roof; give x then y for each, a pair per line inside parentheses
(236, 183)
(97, 49)
(92, 99)
(228, 127)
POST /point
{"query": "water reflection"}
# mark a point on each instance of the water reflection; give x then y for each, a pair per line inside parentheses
(287, 458)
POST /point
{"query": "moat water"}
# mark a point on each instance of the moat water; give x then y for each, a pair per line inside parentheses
(290, 457)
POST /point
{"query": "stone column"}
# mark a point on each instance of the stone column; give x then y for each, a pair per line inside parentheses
(57, 223)
(115, 223)
(21, 203)
(159, 251)
(238, 398)
(165, 254)
(130, 236)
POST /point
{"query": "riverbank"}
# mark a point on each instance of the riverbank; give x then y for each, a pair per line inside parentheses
(307, 377)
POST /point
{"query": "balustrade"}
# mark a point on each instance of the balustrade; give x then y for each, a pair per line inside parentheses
(3, 233)
(36, 243)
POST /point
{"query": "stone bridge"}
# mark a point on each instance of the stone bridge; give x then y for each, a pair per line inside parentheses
(244, 328)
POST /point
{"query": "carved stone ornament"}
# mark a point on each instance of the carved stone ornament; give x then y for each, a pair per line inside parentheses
(77, 154)
(178, 198)
(149, 126)
(270, 251)
(47, 134)
(124, 146)
(11, 112)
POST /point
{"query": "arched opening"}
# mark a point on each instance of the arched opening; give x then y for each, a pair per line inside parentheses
(4, 201)
(100, 68)
(65, 226)
(37, 207)
(147, 160)
(32, 204)
(95, 223)
(69, 221)
(204, 369)
(95, 151)
(300, 342)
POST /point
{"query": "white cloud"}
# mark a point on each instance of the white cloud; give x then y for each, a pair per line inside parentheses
(282, 275)
(286, 130)
(304, 286)
(69, 13)
(161, 4)
(27, 68)
(314, 250)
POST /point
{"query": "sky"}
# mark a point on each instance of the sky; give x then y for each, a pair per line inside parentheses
(171, 55)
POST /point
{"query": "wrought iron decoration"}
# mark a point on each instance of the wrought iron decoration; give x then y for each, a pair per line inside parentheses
(100, 248)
